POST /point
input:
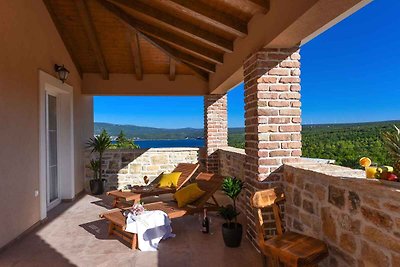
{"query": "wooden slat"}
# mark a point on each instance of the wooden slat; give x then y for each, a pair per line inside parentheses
(137, 58)
(172, 69)
(179, 25)
(189, 59)
(126, 18)
(208, 14)
(64, 36)
(262, 5)
(91, 34)
(165, 36)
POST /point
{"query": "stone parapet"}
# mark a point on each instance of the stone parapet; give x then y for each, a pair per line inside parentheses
(128, 166)
(358, 218)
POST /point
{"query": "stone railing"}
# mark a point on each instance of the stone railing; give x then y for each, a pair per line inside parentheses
(358, 218)
(231, 163)
(128, 166)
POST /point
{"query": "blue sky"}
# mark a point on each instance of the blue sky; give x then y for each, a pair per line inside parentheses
(350, 73)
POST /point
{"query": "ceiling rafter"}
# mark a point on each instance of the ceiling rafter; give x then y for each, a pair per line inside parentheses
(172, 69)
(179, 25)
(262, 5)
(189, 59)
(168, 37)
(175, 54)
(64, 36)
(91, 34)
(208, 14)
(137, 57)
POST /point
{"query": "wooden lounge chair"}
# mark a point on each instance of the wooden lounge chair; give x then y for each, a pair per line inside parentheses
(122, 199)
(208, 182)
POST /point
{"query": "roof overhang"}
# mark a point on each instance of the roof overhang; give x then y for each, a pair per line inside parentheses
(182, 47)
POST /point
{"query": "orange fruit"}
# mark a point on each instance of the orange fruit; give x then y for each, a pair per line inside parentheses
(365, 162)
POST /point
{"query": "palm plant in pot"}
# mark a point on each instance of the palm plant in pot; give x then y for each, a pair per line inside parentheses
(231, 229)
(99, 144)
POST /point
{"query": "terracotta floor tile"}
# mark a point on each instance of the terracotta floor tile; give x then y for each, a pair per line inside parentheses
(76, 236)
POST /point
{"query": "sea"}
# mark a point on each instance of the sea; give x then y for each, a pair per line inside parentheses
(170, 143)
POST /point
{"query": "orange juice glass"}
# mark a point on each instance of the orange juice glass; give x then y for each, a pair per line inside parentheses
(370, 172)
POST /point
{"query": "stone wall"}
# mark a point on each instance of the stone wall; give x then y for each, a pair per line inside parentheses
(128, 166)
(231, 163)
(358, 218)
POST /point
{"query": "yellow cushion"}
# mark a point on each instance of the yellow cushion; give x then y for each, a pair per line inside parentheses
(169, 179)
(188, 194)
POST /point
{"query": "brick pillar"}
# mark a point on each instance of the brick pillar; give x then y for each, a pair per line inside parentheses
(272, 120)
(215, 128)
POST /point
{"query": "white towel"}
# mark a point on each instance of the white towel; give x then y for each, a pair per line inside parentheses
(151, 227)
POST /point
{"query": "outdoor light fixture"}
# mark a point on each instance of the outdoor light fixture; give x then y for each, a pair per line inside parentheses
(62, 72)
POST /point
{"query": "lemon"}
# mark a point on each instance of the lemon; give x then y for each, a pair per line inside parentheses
(365, 162)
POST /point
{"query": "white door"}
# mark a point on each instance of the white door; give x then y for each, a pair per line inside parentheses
(52, 140)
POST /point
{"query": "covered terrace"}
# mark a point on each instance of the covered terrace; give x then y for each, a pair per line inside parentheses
(172, 47)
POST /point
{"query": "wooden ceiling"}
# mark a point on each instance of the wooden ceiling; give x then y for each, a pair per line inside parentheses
(138, 37)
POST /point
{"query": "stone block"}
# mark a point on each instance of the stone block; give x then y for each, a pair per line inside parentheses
(328, 224)
(320, 192)
(135, 168)
(159, 159)
(336, 196)
(395, 259)
(377, 217)
(348, 223)
(354, 200)
(348, 242)
(342, 257)
(382, 239)
(308, 206)
(127, 157)
(113, 165)
(372, 256)
(297, 197)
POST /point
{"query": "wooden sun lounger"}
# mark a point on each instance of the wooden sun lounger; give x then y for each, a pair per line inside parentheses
(208, 182)
(122, 199)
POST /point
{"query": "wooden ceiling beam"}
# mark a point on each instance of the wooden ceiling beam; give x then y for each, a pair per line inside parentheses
(137, 57)
(165, 36)
(172, 69)
(86, 19)
(127, 19)
(64, 36)
(189, 59)
(179, 25)
(262, 5)
(208, 14)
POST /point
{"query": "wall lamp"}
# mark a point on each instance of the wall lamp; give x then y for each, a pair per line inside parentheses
(62, 72)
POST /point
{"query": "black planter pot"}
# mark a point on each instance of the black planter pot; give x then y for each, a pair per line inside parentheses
(232, 234)
(97, 186)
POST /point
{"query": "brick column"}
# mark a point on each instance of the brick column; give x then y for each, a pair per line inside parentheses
(215, 128)
(272, 120)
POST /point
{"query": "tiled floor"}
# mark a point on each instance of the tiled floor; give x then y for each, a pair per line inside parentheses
(75, 236)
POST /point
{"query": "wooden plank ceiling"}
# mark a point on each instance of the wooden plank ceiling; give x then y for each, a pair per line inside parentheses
(171, 37)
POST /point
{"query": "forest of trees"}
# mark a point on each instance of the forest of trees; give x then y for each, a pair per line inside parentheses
(345, 143)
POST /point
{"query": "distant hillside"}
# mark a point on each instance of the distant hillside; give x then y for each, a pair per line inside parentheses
(154, 133)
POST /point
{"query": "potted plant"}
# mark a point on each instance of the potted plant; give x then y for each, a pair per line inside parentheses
(99, 144)
(95, 187)
(231, 229)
